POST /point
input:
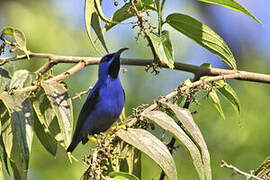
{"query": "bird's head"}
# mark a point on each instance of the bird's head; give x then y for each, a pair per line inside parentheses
(110, 64)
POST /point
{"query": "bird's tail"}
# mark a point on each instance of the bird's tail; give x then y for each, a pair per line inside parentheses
(72, 146)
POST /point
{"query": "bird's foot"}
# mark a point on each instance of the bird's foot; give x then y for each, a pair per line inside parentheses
(71, 157)
(116, 128)
(92, 139)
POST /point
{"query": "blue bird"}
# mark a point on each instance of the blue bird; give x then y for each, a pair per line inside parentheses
(104, 103)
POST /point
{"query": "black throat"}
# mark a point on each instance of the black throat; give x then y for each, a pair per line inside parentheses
(114, 67)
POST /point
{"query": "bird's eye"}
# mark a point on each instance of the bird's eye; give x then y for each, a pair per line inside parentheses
(107, 58)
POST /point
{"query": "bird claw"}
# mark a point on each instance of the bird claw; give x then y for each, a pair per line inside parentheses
(117, 128)
(70, 157)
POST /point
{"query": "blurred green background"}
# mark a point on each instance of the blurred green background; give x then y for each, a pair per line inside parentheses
(58, 27)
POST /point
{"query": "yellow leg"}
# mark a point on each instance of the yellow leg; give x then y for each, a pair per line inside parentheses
(92, 139)
(70, 157)
(117, 128)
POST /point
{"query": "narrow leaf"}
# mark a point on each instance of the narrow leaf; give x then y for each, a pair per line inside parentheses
(62, 106)
(153, 147)
(168, 124)
(45, 137)
(234, 5)
(228, 92)
(185, 118)
(126, 12)
(1, 169)
(100, 13)
(4, 117)
(18, 132)
(95, 23)
(122, 176)
(47, 118)
(216, 102)
(203, 35)
(163, 47)
(92, 20)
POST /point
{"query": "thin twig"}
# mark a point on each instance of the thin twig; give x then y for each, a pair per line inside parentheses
(82, 93)
(237, 171)
(43, 69)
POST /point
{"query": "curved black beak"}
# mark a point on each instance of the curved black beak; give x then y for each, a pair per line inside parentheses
(118, 53)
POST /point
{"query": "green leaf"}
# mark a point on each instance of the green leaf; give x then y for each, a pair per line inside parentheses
(227, 91)
(206, 65)
(62, 107)
(18, 132)
(4, 117)
(163, 47)
(130, 159)
(1, 169)
(44, 136)
(4, 79)
(100, 13)
(8, 30)
(159, 8)
(234, 5)
(134, 161)
(21, 41)
(185, 118)
(21, 78)
(126, 12)
(157, 3)
(122, 176)
(46, 126)
(95, 23)
(215, 100)
(92, 20)
(6, 73)
(19, 38)
(153, 147)
(203, 35)
(169, 125)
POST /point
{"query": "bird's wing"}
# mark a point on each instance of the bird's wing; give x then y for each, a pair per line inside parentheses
(87, 108)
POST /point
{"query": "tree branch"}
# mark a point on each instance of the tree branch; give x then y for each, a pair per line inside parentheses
(59, 77)
(237, 171)
(200, 82)
(197, 70)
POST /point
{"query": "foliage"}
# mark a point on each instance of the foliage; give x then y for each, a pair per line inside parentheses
(47, 109)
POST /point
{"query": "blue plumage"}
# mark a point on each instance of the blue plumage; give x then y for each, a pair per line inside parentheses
(104, 103)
